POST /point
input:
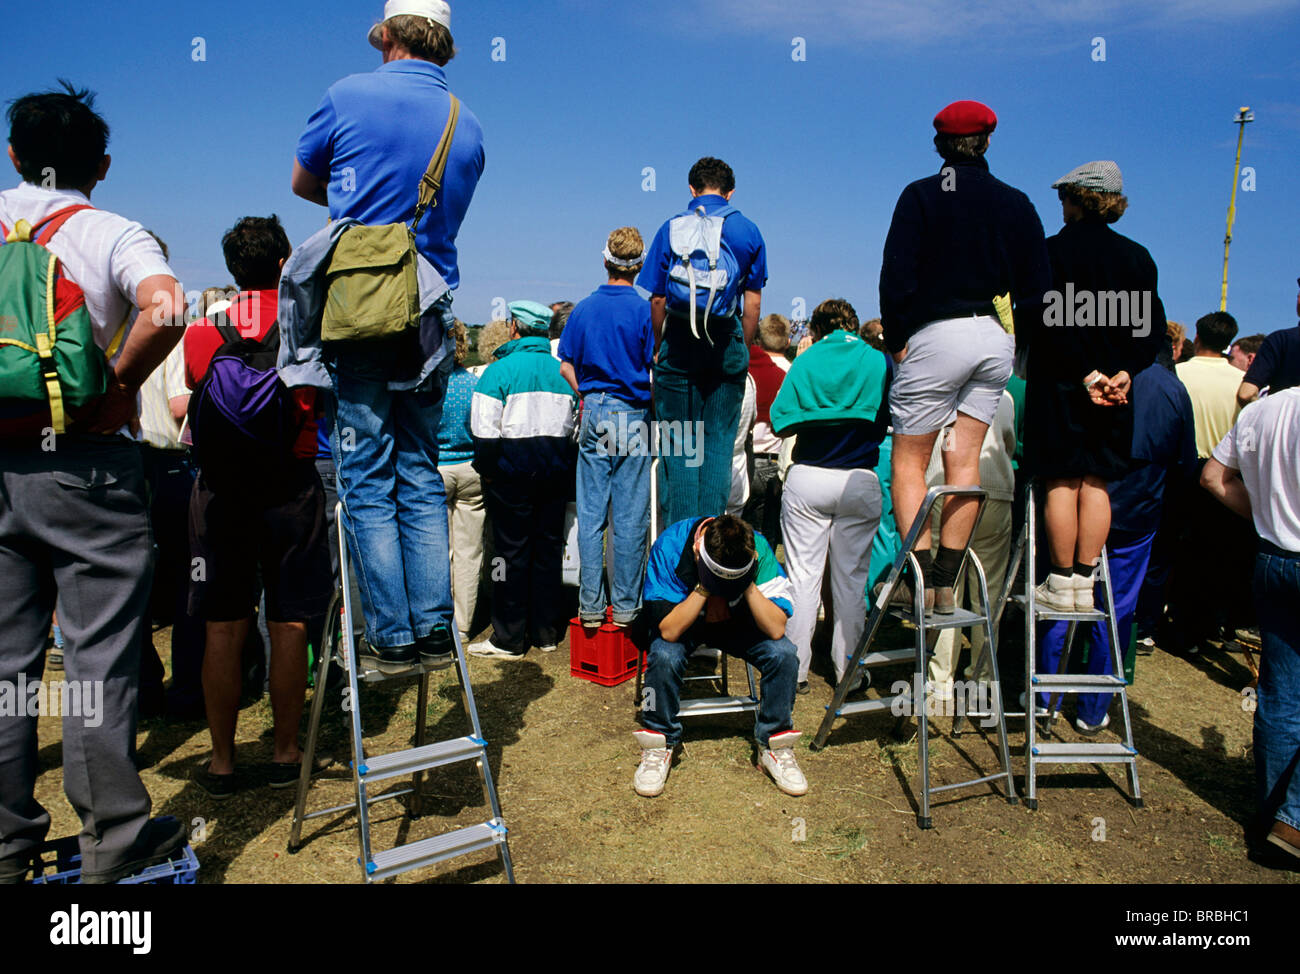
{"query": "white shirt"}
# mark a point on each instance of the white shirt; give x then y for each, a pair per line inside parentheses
(157, 425)
(739, 496)
(107, 255)
(1265, 446)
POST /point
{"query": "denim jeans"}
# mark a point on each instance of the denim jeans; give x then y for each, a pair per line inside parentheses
(613, 491)
(1277, 714)
(385, 448)
(776, 661)
(698, 392)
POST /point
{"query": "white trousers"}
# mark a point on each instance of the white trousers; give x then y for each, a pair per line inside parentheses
(836, 513)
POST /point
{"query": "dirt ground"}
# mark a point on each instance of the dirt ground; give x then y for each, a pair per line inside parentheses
(563, 755)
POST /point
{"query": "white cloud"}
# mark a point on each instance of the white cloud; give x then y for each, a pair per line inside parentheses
(935, 20)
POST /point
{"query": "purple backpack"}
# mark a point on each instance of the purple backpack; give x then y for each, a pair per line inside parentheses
(242, 418)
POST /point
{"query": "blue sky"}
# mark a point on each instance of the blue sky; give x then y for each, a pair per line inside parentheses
(590, 93)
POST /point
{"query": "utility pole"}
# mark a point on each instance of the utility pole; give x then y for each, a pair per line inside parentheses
(1244, 115)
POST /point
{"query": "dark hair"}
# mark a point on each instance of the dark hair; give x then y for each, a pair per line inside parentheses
(711, 173)
(1216, 331)
(1250, 344)
(58, 133)
(422, 38)
(832, 314)
(560, 311)
(254, 248)
(729, 541)
(960, 148)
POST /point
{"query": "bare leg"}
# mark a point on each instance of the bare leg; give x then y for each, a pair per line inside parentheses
(221, 682)
(961, 468)
(288, 679)
(908, 461)
(1061, 512)
(1094, 519)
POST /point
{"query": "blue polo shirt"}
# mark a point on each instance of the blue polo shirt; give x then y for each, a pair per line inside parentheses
(740, 234)
(609, 341)
(1163, 454)
(372, 138)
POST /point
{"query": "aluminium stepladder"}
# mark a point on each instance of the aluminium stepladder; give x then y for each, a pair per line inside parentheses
(368, 772)
(724, 703)
(1058, 684)
(927, 625)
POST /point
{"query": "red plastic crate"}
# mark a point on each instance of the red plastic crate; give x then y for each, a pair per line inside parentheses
(605, 655)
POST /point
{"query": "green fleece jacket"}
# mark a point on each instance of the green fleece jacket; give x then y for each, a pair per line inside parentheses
(839, 379)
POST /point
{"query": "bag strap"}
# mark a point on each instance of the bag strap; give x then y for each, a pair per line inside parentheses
(431, 181)
(43, 230)
(225, 327)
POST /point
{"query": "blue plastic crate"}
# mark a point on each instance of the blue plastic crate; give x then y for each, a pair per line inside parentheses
(183, 867)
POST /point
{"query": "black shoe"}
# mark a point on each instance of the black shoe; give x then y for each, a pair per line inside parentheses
(159, 840)
(803, 688)
(387, 660)
(218, 786)
(15, 869)
(436, 649)
(54, 659)
(286, 774)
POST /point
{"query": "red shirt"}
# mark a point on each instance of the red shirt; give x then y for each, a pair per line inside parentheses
(768, 377)
(252, 313)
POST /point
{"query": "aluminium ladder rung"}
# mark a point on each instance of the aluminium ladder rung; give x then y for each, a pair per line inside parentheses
(426, 852)
(704, 706)
(352, 805)
(1073, 752)
(957, 619)
(935, 789)
(413, 759)
(883, 657)
(866, 706)
(1077, 682)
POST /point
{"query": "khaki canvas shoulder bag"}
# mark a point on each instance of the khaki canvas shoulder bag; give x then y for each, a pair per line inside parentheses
(373, 291)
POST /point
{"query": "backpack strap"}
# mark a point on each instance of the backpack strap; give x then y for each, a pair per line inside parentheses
(431, 181)
(48, 227)
(225, 327)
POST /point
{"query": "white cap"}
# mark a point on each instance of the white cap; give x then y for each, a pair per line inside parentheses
(435, 10)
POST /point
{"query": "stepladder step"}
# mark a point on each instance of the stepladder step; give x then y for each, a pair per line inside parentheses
(1077, 683)
(426, 852)
(411, 760)
(1073, 752)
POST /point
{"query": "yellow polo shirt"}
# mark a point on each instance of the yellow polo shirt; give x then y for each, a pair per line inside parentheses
(1212, 382)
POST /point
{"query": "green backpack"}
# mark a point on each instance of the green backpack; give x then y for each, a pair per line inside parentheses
(51, 370)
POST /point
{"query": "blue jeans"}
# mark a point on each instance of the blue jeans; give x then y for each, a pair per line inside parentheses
(1128, 558)
(776, 660)
(613, 491)
(1277, 714)
(697, 396)
(385, 448)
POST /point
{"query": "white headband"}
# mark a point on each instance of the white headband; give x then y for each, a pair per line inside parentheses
(724, 573)
(619, 262)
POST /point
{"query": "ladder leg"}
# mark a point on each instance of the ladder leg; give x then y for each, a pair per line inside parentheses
(922, 705)
(1031, 655)
(421, 723)
(1117, 658)
(990, 648)
(326, 650)
(352, 703)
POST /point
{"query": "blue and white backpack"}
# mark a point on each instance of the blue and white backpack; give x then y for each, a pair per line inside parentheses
(705, 275)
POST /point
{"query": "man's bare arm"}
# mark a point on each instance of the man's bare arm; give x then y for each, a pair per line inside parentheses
(749, 318)
(570, 376)
(658, 314)
(308, 185)
(1227, 487)
(767, 614)
(1247, 393)
(674, 625)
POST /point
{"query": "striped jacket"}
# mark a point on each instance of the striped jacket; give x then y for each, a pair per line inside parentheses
(671, 574)
(523, 415)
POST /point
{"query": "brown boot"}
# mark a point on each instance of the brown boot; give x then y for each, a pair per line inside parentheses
(1285, 838)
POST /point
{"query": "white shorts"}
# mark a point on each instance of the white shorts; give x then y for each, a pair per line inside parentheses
(954, 365)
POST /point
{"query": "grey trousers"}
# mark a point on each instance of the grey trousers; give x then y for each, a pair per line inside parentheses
(74, 523)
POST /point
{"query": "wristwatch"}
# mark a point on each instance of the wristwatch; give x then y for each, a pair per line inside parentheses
(701, 591)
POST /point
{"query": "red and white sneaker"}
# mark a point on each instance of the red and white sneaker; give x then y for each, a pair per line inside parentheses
(778, 760)
(656, 758)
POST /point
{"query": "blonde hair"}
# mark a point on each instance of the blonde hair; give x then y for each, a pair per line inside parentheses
(1107, 207)
(491, 337)
(625, 243)
(461, 335)
(1177, 334)
(774, 333)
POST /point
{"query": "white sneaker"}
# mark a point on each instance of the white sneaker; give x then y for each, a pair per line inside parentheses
(549, 648)
(1083, 589)
(487, 649)
(1056, 593)
(778, 760)
(656, 758)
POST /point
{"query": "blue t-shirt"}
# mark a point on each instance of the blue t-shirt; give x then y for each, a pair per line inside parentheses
(609, 341)
(372, 138)
(455, 443)
(740, 234)
(1163, 453)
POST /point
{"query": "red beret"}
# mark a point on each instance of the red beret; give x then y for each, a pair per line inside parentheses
(966, 118)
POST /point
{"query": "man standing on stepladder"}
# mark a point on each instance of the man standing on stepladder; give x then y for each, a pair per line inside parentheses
(963, 247)
(366, 154)
(704, 270)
